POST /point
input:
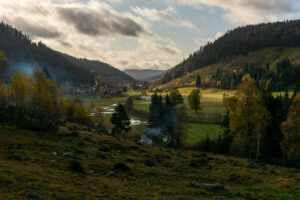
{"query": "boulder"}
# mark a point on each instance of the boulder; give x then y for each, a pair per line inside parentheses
(68, 154)
(111, 173)
(215, 186)
(121, 167)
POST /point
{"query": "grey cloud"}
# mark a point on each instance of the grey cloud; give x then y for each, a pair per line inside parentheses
(102, 22)
(167, 49)
(35, 30)
(124, 62)
(277, 5)
(64, 43)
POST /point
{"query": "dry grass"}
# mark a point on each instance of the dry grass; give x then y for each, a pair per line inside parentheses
(27, 163)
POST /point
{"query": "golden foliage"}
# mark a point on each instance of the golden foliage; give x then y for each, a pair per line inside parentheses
(248, 116)
(291, 131)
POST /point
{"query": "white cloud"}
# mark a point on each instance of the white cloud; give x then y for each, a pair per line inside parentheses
(218, 35)
(247, 11)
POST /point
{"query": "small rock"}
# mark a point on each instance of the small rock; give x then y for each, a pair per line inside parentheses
(121, 167)
(68, 154)
(216, 186)
(32, 193)
(111, 173)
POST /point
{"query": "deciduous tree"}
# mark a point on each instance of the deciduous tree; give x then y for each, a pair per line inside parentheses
(291, 131)
(248, 117)
(175, 98)
(194, 100)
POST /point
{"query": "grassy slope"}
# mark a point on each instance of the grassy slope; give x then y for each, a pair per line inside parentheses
(259, 58)
(27, 162)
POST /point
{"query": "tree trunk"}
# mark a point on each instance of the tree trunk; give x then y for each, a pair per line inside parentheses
(258, 142)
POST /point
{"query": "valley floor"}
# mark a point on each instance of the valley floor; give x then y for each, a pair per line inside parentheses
(75, 163)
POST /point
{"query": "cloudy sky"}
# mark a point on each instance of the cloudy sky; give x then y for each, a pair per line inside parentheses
(154, 34)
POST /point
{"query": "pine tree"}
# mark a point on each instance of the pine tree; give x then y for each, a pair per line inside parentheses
(198, 82)
(120, 120)
(156, 111)
(207, 145)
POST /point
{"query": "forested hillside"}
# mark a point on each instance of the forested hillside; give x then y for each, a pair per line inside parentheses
(277, 68)
(240, 41)
(24, 55)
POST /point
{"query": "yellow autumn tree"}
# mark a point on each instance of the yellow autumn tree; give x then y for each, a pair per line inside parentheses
(4, 94)
(291, 131)
(248, 117)
(19, 95)
(44, 99)
(3, 61)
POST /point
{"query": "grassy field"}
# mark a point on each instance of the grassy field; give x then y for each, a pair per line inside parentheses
(33, 166)
(197, 132)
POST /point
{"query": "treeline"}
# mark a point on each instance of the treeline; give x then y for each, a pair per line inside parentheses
(283, 76)
(259, 125)
(36, 103)
(239, 41)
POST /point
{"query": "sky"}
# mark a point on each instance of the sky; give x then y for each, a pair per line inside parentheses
(138, 34)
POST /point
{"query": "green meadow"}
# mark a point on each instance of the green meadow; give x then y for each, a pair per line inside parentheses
(211, 103)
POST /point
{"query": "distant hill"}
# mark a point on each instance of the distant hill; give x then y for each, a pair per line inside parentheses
(24, 55)
(239, 42)
(279, 68)
(96, 67)
(145, 74)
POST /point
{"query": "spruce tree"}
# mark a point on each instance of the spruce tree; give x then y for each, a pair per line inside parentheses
(156, 111)
(198, 82)
(120, 120)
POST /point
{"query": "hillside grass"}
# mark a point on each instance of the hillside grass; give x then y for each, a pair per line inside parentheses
(32, 166)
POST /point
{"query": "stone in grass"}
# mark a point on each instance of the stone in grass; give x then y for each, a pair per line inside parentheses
(32, 194)
(75, 166)
(121, 167)
(68, 154)
(111, 173)
(215, 186)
